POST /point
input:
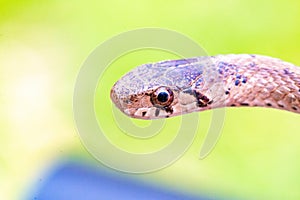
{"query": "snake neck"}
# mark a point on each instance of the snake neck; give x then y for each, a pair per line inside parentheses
(261, 81)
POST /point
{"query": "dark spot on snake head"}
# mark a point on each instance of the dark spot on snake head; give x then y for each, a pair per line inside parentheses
(226, 92)
(237, 82)
(156, 112)
(189, 91)
(144, 113)
(169, 110)
(232, 66)
(222, 65)
(294, 108)
(202, 100)
(252, 64)
(268, 104)
(244, 104)
(133, 98)
(220, 71)
(281, 106)
(286, 71)
(232, 105)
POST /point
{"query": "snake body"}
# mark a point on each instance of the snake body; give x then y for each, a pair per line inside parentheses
(174, 87)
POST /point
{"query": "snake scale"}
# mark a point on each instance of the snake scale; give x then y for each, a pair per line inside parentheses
(174, 87)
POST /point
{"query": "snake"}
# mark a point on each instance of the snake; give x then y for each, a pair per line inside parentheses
(174, 87)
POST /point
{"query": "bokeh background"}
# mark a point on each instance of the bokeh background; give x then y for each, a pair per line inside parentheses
(44, 43)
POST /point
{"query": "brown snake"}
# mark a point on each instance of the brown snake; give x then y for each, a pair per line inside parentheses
(174, 87)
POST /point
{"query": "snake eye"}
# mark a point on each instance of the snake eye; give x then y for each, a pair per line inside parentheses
(162, 96)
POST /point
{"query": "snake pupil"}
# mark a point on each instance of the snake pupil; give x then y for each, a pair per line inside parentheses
(163, 97)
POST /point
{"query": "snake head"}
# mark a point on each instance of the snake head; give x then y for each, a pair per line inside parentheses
(176, 87)
(163, 89)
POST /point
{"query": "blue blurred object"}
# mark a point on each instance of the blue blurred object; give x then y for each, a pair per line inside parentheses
(74, 181)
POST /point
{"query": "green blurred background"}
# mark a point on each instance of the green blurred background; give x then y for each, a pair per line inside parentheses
(44, 43)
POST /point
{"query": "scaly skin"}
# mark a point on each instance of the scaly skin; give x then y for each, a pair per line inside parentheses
(203, 83)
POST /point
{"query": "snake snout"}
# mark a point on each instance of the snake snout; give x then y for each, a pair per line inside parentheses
(115, 99)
